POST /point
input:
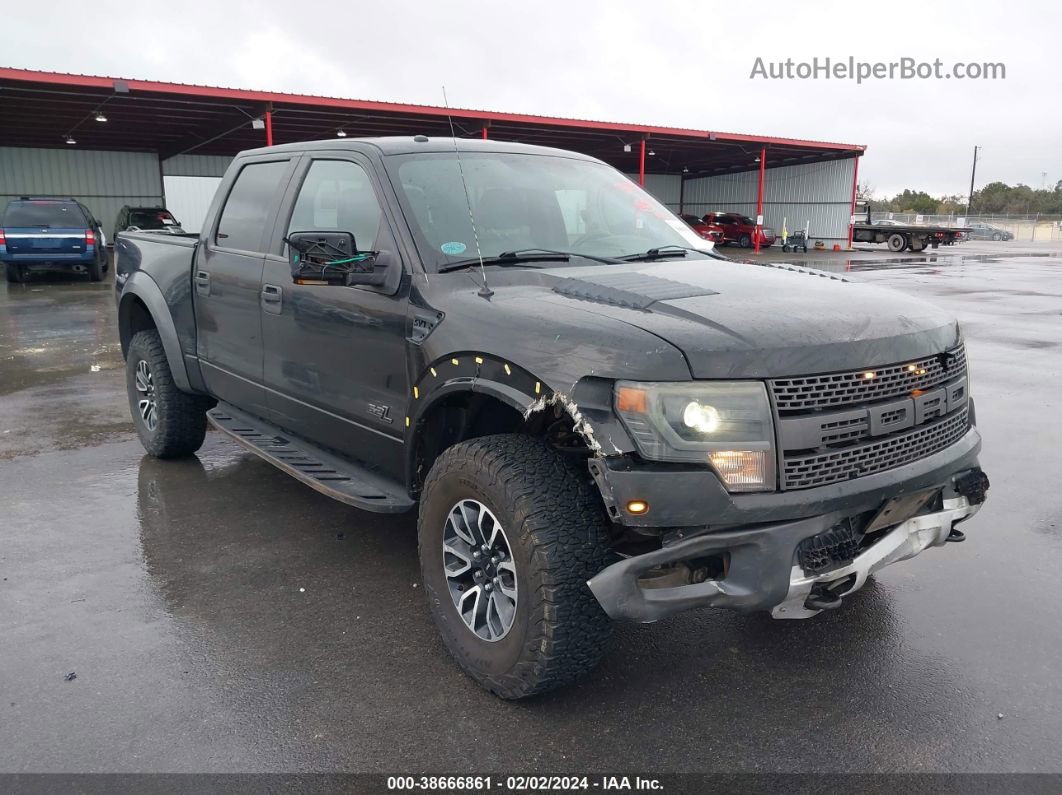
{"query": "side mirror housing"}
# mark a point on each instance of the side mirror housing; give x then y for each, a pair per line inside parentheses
(331, 258)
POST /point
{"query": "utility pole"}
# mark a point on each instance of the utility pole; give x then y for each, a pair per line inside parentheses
(973, 172)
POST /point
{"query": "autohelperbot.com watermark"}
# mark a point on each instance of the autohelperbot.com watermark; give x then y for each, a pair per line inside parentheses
(860, 71)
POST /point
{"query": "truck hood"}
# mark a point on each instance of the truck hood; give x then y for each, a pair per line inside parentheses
(739, 320)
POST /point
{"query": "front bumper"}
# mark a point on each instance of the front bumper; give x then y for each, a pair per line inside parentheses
(759, 535)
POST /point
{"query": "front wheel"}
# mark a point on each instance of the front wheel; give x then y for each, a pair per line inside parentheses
(169, 422)
(997, 236)
(509, 532)
(745, 241)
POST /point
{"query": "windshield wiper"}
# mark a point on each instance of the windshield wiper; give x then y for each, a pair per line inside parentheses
(521, 257)
(659, 253)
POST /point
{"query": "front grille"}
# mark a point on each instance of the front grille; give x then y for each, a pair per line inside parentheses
(806, 471)
(837, 390)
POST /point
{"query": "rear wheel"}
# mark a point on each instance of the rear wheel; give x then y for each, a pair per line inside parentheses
(95, 268)
(15, 273)
(509, 533)
(897, 242)
(169, 422)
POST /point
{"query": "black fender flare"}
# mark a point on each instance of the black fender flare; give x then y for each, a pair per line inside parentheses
(473, 372)
(143, 287)
(469, 373)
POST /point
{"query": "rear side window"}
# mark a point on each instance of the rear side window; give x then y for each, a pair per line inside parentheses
(44, 214)
(248, 206)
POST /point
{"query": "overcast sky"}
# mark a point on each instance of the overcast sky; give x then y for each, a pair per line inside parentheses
(684, 64)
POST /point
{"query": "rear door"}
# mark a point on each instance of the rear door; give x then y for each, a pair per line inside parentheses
(45, 230)
(335, 357)
(227, 279)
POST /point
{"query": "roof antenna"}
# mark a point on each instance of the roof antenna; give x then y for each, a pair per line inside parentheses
(484, 290)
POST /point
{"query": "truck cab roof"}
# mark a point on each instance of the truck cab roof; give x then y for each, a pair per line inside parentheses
(405, 144)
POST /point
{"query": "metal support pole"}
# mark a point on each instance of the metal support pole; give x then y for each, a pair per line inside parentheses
(973, 173)
(269, 127)
(486, 126)
(759, 201)
(851, 213)
(641, 165)
(682, 194)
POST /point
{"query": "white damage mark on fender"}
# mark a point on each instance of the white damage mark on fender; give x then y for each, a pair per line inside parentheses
(580, 424)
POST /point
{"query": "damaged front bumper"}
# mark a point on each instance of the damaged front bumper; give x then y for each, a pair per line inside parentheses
(762, 564)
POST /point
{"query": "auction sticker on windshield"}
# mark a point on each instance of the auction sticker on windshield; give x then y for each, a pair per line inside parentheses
(453, 248)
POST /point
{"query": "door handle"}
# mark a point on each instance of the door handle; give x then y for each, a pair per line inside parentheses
(271, 296)
(202, 283)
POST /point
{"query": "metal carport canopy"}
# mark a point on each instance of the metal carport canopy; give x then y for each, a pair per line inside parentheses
(44, 109)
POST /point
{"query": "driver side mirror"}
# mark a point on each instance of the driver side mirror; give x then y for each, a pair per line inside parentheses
(332, 258)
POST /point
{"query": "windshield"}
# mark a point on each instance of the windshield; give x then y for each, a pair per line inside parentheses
(151, 219)
(530, 202)
(44, 213)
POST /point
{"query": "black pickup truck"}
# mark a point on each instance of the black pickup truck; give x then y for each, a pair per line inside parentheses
(598, 418)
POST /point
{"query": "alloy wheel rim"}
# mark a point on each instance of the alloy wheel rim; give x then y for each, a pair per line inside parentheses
(146, 405)
(480, 572)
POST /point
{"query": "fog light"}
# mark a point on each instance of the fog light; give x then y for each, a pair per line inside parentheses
(637, 507)
(741, 470)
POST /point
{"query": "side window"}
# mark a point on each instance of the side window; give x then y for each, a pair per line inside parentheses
(337, 196)
(247, 207)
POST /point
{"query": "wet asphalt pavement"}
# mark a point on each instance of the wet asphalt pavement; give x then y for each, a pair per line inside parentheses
(220, 616)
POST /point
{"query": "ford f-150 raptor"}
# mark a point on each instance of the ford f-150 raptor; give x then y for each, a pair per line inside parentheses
(598, 417)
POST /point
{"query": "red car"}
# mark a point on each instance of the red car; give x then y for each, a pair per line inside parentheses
(707, 231)
(740, 229)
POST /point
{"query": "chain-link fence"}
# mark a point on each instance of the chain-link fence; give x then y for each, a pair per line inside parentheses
(1026, 228)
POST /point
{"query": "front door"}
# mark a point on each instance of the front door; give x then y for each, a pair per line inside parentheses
(335, 357)
(227, 280)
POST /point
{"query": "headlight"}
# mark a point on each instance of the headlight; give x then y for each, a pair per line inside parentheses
(724, 424)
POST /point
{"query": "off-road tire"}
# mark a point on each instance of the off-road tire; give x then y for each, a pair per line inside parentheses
(557, 528)
(15, 274)
(181, 417)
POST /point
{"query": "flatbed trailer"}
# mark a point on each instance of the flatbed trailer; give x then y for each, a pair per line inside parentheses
(900, 237)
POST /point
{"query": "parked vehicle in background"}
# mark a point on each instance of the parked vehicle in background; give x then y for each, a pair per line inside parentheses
(528, 349)
(146, 219)
(898, 236)
(740, 229)
(711, 232)
(980, 231)
(47, 234)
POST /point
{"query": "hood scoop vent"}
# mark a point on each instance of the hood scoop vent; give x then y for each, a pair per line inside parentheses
(784, 266)
(631, 290)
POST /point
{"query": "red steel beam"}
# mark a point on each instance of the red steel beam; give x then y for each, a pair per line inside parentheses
(181, 89)
(759, 200)
(851, 226)
(269, 127)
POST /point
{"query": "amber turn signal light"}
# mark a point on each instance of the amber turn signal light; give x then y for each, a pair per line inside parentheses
(631, 399)
(637, 507)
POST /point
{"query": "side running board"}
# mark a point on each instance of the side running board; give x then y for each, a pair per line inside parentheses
(330, 474)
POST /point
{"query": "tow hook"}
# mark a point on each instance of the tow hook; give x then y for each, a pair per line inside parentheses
(825, 596)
